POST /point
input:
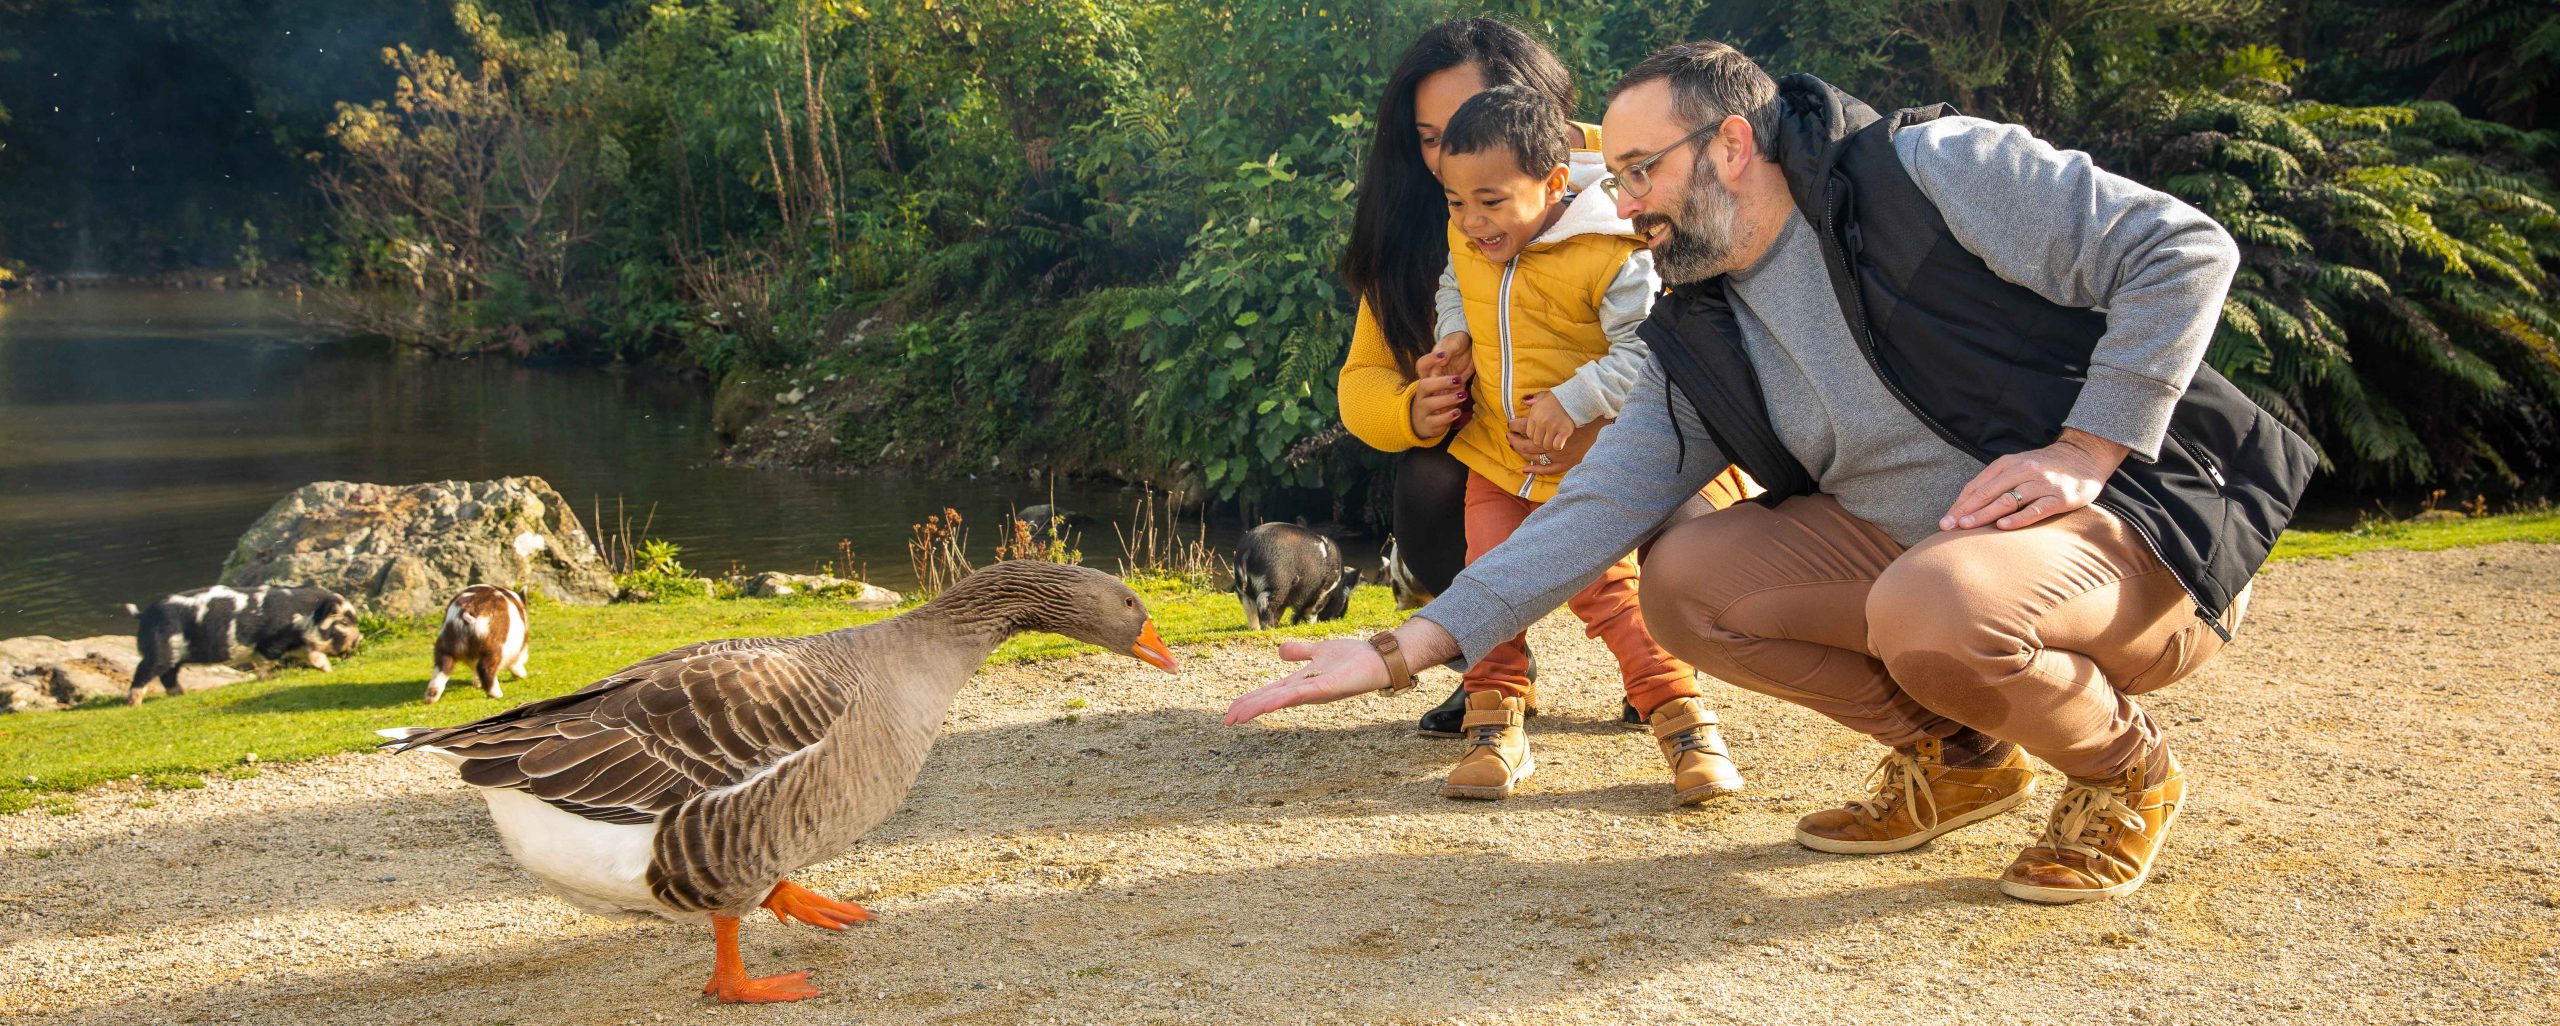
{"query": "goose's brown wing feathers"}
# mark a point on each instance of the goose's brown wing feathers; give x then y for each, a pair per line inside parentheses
(655, 733)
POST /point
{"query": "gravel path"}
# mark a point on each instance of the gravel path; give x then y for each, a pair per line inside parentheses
(2374, 837)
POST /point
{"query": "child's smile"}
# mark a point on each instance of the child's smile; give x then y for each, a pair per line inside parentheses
(1497, 206)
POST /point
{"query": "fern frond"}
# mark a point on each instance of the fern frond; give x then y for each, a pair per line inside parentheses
(2378, 433)
(2219, 193)
(2271, 161)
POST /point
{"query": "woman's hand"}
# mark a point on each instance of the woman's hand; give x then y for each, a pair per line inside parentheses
(1559, 459)
(1440, 402)
(1457, 348)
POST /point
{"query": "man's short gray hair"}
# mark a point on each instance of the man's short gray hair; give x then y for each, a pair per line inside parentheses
(1710, 81)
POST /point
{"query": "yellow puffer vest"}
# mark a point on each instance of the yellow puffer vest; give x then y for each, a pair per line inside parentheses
(1376, 395)
(1534, 321)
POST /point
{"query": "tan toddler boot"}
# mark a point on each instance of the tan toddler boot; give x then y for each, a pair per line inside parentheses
(1700, 767)
(1497, 757)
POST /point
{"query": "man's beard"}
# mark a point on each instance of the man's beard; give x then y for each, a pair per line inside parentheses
(1700, 243)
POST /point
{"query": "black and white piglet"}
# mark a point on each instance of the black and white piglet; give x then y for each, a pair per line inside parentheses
(220, 625)
(1288, 570)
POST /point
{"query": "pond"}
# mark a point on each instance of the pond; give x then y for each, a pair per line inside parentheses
(142, 431)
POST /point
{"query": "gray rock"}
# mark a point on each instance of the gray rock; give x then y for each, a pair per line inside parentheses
(774, 584)
(866, 595)
(18, 694)
(402, 550)
(74, 683)
(39, 673)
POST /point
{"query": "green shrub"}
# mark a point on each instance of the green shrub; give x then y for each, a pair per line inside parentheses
(655, 573)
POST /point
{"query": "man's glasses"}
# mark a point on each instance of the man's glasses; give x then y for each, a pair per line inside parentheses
(1637, 178)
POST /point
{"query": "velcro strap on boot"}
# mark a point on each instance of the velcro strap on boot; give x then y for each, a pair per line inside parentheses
(1690, 715)
(1508, 716)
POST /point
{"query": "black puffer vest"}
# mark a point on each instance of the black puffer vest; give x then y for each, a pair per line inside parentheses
(1992, 367)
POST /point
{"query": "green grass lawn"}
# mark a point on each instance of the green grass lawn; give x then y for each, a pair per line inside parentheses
(2424, 536)
(303, 714)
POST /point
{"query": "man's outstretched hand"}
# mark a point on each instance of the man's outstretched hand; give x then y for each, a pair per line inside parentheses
(1340, 669)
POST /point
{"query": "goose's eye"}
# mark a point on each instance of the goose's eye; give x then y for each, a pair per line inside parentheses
(1129, 603)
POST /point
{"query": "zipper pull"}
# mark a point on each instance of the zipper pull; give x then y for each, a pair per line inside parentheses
(1857, 240)
(2203, 459)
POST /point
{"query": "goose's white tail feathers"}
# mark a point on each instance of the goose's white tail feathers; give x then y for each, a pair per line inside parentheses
(600, 867)
(404, 733)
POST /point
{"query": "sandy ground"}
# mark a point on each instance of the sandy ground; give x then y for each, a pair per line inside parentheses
(2373, 837)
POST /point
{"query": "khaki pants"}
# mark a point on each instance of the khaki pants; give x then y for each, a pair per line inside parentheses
(2039, 636)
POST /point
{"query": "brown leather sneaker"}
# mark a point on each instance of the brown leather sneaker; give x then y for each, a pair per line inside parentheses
(1917, 797)
(1700, 767)
(1497, 756)
(2100, 840)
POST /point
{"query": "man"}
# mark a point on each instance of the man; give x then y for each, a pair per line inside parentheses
(2004, 495)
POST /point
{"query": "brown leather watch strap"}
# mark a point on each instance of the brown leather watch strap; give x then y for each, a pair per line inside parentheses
(1399, 675)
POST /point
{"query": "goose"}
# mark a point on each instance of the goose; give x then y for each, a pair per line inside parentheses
(693, 783)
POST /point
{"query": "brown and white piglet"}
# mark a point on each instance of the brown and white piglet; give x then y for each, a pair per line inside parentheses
(484, 628)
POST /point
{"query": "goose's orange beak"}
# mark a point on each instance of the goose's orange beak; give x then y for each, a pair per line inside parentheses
(1151, 648)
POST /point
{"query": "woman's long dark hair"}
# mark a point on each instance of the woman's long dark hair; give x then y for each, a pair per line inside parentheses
(1399, 240)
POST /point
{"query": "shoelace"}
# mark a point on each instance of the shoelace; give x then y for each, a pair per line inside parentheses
(1693, 739)
(1898, 778)
(1486, 734)
(2078, 817)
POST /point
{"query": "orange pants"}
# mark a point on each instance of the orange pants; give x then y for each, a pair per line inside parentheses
(1607, 607)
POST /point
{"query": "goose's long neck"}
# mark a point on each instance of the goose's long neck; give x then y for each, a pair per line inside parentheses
(965, 624)
(953, 638)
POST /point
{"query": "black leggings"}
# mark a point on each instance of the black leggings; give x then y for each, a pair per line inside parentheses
(1430, 516)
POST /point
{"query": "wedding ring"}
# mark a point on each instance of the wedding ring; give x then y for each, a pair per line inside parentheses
(1549, 460)
(2017, 498)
